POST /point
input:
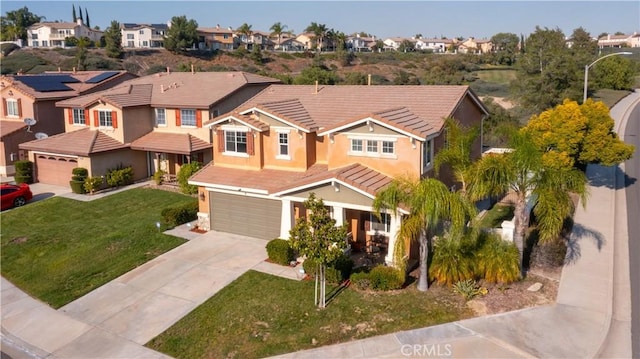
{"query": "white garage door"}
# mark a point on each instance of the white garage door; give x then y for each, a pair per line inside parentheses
(248, 216)
(55, 170)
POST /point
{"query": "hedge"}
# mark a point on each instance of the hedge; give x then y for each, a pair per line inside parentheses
(280, 251)
(175, 216)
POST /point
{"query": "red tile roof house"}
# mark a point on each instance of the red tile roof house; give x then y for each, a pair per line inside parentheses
(149, 123)
(344, 143)
(34, 97)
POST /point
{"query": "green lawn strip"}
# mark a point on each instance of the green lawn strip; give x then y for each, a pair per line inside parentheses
(496, 215)
(60, 249)
(261, 315)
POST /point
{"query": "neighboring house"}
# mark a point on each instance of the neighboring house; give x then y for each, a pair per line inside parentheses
(632, 40)
(473, 46)
(53, 34)
(150, 123)
(435, 45)
(217, 38)
(309, 41)
(288, 141)
(33, 98)
(287, 44)
(259, 38)
(360, 43)
(143, 36)
(395, 42)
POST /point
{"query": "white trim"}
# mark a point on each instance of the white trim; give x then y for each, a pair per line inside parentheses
(53, 154)
(366, 121)
(255, 109)
(232, 189)
(283, 157)
(382, 137)
(234, 128)
(281, 129)
(235, 154)
(210, 125)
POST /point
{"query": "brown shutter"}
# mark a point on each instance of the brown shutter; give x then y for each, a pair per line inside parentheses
(179, 159)
(114, 119)
(19, 107)
(70, 114)
(220, 140)
(4, 107)
(198, 118)
(250, 144)
(96, 119)
(86, 117)
(178, 121)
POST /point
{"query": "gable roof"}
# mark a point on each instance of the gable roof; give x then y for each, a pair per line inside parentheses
(79, 143)
(184, 89)
(419, 110)
(182, 143)
(246, 119)
(9, 127)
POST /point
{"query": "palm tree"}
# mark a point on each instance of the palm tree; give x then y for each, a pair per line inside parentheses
(320, 32)
(278, 29)
(430, 203)
(245, 29)
(457, 153)
(524, 171)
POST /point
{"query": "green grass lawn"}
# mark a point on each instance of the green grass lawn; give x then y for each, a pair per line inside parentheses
(494, 217)
(261, 315)
(60, 249)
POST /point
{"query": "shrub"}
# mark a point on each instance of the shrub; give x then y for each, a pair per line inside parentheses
(361, 280)
(79, 174)
(452, 261)
(24, 172)
(336, 271)
(280, 251)
(469, 289)
(120, 176)
(186, 171)
(91, 184)
(386, 278)
(175, 216)
(158, 177)
(497, 261)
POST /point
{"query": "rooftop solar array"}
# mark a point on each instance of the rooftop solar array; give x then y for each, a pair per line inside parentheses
(103, 76)
(48, 83)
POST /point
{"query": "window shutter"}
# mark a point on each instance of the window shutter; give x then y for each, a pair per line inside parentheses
(4, 107)
(96, 119)
(198, 118)
(86, 117)
(178, 121)
(70, 114)
(250, 144)
(19, 107)
(179, 159)
(114, 119)
(220, 140)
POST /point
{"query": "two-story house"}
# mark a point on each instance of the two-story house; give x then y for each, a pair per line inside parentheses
(53, 34)
(344, 143)
(435, 45)
(143, 35)
(257, 38)
(619, 41)
(28, 106)
(217, 38)
(359, 43)
(150, 123)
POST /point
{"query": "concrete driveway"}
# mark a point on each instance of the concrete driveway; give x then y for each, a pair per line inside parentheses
(143, 303)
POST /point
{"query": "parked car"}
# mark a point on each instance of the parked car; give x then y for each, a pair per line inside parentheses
(15, 195)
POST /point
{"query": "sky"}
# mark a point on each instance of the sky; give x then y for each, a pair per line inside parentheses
(479, 19)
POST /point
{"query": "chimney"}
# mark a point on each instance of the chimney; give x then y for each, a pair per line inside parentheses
(192, 69)
(74, 69)
(316, 87)
(161, 88)
(168, 70)
(369, 80)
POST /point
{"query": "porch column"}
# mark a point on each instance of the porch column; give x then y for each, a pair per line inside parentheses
(286, 218)
(394, 228)
(338, 215)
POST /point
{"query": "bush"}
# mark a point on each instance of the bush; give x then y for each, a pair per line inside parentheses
(280, 251)
(452, 261)
(361, 280)
(175, 216)
(497, 261)
(158, 177)
(386, 278)
(186, 171)
(336, 271)
(91, 184)
(24, 172)
(79, 174)
(469, 289)
(120, 176)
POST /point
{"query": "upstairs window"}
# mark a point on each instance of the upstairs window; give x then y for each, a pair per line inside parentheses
(427, 155)
(161, 118)
(188, 117)
(13, 108)
(79, 117)
(235, 142)
(373, 147)
(388, 147)
(283, 145)
(105, 119)
(356, 145)
(130, 36)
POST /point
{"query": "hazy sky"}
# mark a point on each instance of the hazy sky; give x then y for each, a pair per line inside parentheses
(481, 19)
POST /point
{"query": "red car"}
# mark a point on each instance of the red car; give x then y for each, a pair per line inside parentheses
(15, 195)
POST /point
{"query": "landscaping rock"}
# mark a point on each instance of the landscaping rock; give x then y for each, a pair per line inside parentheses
(478, 307)
(535, 287)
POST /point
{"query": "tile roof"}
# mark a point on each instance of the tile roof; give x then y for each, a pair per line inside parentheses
(80, 143)
(185, 89)
(9, 127)
(181, 143)
(401, 118)
(331, 106)
(290, 110)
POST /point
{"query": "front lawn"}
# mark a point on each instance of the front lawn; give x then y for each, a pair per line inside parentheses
(60, 249)
(262, 315)
(494, 217)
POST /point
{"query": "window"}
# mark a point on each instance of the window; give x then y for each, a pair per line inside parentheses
(45, 43)
(34, 36)
(130, 36)
(161, 119)
(188, 118)
(283, 144)
(141, 32)
(12, 108)
(35, 44)
(235, 141)
(78, 117)
(105, 119)
(427, 154)
(388, 147)
(380, 225)
(130, 44)
(225, 36)
(372, 146)
(145, 43)
(356, 145)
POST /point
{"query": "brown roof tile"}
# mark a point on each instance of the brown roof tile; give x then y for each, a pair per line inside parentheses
(290, 110)
(181, 143)
(9, 127)
(80, 143)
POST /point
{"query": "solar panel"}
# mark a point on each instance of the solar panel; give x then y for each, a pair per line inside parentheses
(48, 83)
(103, 76)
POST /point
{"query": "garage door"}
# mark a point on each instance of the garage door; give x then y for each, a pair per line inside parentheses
(55, 169)
(248, 216)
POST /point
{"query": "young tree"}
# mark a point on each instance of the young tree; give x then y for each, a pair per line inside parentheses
(457, 153)
(430, 203)
(86, 15)
(16, 23)
(616, 72)
(182, 34)
(523, 171)
(113, 40)
(576, 135)
(320, 240)
(81, 53)
(80, 11)
(73, 13)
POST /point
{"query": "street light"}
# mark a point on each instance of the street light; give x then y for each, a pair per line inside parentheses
(587, 67)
